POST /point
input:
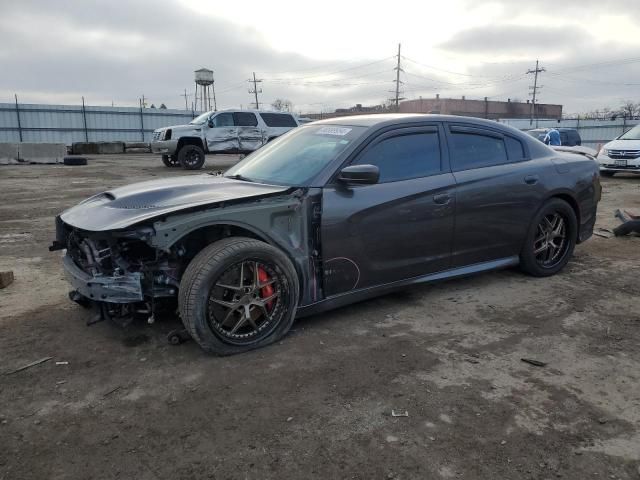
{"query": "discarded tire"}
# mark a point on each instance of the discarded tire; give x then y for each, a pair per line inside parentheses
(627, 227)
(75, 161)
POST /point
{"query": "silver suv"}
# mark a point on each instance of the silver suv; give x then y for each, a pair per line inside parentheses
(227, 131)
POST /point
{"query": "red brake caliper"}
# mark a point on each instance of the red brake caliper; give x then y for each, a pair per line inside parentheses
(267, 291)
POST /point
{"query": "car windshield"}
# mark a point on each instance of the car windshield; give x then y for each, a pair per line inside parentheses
(633, 134)
(297, 156)
(200, 119)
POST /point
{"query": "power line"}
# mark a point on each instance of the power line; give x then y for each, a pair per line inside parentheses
(333, 73)
(255, 90)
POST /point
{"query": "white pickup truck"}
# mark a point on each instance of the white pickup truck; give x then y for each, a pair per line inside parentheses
(225, 131)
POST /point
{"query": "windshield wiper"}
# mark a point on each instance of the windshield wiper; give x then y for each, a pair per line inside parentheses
(239, 176)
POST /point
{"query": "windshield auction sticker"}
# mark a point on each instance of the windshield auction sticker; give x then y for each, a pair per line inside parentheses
(339, 131)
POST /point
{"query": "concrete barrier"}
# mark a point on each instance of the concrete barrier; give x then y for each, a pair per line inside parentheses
(8, 153)
(84, 148)
(14, 153)
(111, 147)
(41, 152)
(97, 148)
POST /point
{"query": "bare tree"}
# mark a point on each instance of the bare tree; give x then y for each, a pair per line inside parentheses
(630, 109)
(282, 105)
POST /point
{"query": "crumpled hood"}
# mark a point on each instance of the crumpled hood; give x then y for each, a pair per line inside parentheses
(131, 204)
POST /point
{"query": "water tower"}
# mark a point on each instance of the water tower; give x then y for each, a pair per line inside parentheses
(204, 79)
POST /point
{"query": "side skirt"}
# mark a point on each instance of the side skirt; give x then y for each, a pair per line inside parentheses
(354, 296)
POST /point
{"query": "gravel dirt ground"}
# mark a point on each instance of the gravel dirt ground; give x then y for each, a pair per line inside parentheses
(319, 404)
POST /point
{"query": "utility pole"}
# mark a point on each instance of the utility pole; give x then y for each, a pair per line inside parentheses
(397, 97)
(534, 93)
(186, 99)
(213, 89)
(255, 90)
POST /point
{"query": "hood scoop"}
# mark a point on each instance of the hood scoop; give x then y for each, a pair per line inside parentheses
(125, 206)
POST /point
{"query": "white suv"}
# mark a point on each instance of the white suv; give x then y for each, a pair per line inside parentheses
(226, 131)
(621, 154)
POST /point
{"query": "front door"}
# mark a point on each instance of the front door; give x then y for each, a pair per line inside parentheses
(221, 133)
(400, 227)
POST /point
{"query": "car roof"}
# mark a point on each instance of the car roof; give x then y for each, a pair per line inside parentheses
(383, 119)
(250, 110)
(380, 120)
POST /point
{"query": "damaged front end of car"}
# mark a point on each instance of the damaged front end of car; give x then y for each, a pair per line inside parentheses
(117, 272)
(127, 249)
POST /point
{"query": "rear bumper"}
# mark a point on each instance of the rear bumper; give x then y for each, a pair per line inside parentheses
(121, 289)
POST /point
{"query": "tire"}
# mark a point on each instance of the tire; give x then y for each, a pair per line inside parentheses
(170, 161)
(560, 240)
(605, 173)
(213, 301)
(626, 228)
(191, 157)
(74, 161)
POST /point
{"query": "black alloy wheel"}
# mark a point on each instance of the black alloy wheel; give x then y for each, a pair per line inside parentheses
(170, 161)
(238, 294)
(246, 302)
(551, 243)
(552, 236)
(191, 157)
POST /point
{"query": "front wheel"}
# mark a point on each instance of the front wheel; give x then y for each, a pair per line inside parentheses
(191, 157)
(238, 294)
(170, 161)
(550, 240)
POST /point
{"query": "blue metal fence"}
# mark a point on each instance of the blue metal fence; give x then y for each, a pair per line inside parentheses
(593, 132)
(81, 123)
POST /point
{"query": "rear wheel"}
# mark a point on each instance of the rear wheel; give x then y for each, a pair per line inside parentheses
(238, 294)
(550, 240)
(170, 161)
(191, 157)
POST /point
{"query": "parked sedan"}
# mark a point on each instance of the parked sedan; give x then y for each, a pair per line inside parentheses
(331, 213)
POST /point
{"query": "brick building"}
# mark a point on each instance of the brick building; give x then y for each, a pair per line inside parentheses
(480, 108)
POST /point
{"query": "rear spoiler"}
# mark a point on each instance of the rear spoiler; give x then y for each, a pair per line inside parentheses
(585, 151)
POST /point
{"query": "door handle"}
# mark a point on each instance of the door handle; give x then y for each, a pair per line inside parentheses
(531, 179)
(442, 199)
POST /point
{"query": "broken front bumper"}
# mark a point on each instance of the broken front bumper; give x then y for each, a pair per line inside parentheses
(102, 288)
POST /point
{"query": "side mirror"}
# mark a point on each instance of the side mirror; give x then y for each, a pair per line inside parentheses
(210, 123)
(360, 174)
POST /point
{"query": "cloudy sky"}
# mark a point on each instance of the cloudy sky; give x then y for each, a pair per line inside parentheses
(320, 55)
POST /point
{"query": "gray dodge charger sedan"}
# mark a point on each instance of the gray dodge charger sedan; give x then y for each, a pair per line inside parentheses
(331, 213)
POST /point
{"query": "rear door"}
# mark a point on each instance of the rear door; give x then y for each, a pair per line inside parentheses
(278, 123)
(400, 227)
(250, 136)
(222, 135)
(497, 193)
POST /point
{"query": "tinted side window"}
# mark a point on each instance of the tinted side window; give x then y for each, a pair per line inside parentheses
(404, 157)
(245, 119)
(278, 120)
(564, 138)
(474, 150)
(515, 150)
(223, 120)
